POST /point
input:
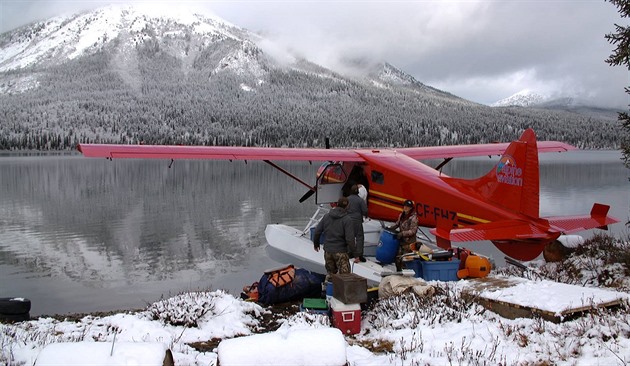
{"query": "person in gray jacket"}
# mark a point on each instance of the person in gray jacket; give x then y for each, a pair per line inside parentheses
(338, 231)
(357, 210)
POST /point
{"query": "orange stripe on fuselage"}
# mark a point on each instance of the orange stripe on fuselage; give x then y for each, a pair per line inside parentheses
(472, 218)
(391, 202)
(388, 201)
(395, 208)
(385, 195)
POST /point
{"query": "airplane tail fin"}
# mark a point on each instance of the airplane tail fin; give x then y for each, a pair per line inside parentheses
(514, 182)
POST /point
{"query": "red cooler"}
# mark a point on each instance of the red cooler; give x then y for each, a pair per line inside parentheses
(346, 317)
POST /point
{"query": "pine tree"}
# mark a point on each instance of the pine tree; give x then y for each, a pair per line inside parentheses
(621, 56)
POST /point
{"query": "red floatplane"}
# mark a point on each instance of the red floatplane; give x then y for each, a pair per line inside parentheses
(501, 206)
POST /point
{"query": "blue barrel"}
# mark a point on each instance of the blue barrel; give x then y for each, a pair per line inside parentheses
(387, 248)
(322, 238)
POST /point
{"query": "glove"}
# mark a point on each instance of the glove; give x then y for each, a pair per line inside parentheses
(399, 236)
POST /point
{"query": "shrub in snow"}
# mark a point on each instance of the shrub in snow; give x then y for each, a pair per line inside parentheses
(306, 320)
(410, 310)
(185, 309)
(602, 261)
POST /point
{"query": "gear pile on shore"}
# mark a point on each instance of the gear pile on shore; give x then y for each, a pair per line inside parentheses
(405, 329)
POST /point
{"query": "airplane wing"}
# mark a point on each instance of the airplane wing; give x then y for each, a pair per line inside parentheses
(216, 152)
(458, 151)
(303, 154)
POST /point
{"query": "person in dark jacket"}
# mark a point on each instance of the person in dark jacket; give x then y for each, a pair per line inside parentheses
(357, 210)
(408, 228)
(338, 230)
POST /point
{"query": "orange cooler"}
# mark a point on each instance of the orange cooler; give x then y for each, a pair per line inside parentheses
(346, 317)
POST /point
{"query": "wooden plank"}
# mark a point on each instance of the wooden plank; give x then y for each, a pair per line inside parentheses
(515, 297)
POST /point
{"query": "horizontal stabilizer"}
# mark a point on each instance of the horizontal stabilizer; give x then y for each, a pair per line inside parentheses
(597, 219)
(498, 230)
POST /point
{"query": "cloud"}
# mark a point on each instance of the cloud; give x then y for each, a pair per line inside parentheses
(480, 50)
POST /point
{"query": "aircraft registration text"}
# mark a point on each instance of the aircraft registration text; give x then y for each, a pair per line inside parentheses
(427, 211)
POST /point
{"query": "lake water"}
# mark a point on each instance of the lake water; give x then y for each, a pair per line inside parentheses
(84, 235)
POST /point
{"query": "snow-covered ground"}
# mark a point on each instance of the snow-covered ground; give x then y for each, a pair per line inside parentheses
(201, 328)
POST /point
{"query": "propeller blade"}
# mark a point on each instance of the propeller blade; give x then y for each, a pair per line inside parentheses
(309, 193)
(306, 195)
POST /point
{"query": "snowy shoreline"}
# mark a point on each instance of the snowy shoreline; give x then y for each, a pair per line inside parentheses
(203, 328)
(399, 330)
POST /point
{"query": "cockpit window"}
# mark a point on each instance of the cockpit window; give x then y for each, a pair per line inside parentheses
(378, 177)
(331, 173)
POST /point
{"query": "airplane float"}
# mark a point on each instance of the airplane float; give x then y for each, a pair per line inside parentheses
(502, 206)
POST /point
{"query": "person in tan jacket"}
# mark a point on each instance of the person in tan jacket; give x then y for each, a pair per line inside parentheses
(407, 226)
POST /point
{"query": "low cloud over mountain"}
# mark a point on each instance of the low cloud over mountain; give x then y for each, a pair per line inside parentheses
(128, 74)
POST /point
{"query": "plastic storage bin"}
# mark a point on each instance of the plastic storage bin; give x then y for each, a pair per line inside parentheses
(312, 305)
(437, 270)
(416, 265)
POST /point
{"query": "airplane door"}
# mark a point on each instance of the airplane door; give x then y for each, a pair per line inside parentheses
(330, 181)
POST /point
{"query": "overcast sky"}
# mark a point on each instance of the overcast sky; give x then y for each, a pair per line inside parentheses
(480, 50)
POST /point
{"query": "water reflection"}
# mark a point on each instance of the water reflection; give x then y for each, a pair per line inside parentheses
(80, 234)
(105, 224)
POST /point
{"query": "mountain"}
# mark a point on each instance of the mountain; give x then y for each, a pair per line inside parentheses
(123, 74)
(530, 99)
(121, 31)
(385, 75)
(524, 98)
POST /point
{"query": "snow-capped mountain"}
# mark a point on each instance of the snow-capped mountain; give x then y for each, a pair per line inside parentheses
(121, 29)
(392, 75)
(126, 33)
(530, 99)
(128, 74)
(524, 98)
(386, 75)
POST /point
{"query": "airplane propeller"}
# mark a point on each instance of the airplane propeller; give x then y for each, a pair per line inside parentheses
(307, 195)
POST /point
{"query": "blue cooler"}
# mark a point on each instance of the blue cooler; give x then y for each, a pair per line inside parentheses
(440, 270)
(387, 248)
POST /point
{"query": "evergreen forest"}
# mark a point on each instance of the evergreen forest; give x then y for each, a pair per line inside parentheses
(92, 100)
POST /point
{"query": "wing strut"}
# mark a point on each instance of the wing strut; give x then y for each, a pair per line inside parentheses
(446, 161)
(289, 174)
